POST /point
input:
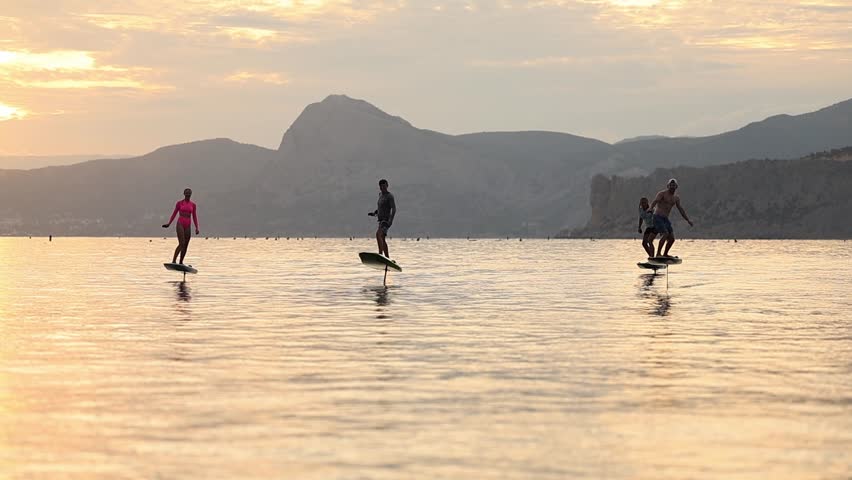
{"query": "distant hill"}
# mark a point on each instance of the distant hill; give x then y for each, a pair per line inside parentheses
(30, 162)
(323, 178)
(131, 196)
(806, 198)
(641, 138)
(484, 184)
(778, 137)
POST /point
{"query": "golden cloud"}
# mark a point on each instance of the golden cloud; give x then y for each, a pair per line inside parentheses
(57, 60)
(125, 83)
(752, 42)
(260, 36)
(634, 3)
(138, 22)
(69, 70)
(784, 25)
(245, 77)
(536, 62)
(246, 33)
(8, 112)
(202, 16)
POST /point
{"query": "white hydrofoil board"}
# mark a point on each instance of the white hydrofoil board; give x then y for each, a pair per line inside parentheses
(665, 260)
(650, 266)
(180, 267)
(378, 261)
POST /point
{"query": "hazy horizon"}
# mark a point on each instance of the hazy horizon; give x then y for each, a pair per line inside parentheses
(96, 77)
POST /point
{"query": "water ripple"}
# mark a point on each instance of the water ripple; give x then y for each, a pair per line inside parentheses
(487, 359)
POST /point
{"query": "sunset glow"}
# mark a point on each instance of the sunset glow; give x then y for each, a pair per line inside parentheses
(245, 77)
(634, 3)
(140, 61)
(9, 113)
(57, 60)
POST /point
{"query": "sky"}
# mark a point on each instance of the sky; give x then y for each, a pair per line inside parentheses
(127, 77)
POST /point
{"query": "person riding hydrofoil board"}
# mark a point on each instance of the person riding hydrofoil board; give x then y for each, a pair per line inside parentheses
(385, 212)
(662, 206)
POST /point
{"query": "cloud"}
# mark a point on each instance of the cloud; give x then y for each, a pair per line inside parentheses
(261, 21)
(126, 22)
(532, 62)
(165, 70)
(783, 25)
(122, 83)
(56, 60)
(8, 112)
(247, 77)
(259, 35)
(65, 69)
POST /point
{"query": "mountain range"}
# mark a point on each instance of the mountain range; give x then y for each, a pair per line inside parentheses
(808, 198)
(322, 179)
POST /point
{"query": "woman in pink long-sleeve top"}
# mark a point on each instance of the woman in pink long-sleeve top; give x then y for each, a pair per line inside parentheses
(186, 209)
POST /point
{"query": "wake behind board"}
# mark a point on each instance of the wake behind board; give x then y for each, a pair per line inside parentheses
(650, 266)
(378, 261)
(180, 268)
(665, 260)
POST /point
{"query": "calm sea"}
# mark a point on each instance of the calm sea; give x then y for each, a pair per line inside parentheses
(483, 359)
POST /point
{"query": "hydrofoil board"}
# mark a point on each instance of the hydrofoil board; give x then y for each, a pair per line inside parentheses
(178, 267)
(665, 260)
(378, 261)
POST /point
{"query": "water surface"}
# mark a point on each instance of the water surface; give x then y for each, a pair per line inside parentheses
(482, 359)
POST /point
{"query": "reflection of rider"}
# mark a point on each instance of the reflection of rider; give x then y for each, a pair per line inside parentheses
(662, 301)
(183, 292)
(663, 304)
(382, 298)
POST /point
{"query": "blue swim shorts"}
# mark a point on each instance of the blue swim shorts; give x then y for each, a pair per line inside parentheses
(662, 224)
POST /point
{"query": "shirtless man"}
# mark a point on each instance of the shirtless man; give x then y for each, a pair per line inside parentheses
(664, 202)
